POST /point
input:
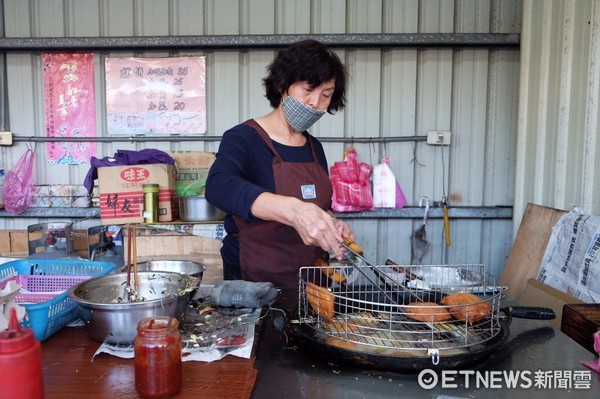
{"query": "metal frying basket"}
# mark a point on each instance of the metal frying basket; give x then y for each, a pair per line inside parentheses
(371, 308)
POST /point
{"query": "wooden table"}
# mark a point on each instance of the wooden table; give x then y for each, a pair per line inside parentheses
(70, 372)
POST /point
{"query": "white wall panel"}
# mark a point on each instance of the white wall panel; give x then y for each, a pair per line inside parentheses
(557, 153)
(392, 92)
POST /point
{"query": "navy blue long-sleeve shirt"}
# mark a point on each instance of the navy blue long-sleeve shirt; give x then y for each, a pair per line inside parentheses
(243, 169)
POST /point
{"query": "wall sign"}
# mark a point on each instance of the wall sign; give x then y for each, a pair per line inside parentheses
(156, 95)
(70, 106)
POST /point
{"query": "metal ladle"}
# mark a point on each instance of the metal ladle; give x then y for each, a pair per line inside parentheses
(420, 245)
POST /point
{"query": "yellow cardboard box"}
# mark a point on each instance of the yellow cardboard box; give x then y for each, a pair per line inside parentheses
(192, 166)
(121, 196)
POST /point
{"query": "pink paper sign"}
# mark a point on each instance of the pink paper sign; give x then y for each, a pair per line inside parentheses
(70, 106)
(156, 95)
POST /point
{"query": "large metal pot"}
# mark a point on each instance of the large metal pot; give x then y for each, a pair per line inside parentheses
(109, 316)
(195, 208)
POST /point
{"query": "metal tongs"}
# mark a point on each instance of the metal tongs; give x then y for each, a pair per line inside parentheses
(357, 260)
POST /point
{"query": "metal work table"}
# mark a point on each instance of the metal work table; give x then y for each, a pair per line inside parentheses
(290, 372)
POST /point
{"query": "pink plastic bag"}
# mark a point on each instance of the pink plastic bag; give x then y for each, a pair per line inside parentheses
(18, 185)
(351, 185)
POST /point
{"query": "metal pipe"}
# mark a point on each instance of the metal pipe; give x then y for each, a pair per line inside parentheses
(242, 42)
(135, 139)
(4, 125)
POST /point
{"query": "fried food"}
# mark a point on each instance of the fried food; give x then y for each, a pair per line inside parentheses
(330, 271)
(353, 245)
(321, 300)
(320, 262)
(428, 312)
(335, 276)
(467, 307)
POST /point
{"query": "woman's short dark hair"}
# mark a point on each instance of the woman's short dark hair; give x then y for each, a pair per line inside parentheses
(306, 61)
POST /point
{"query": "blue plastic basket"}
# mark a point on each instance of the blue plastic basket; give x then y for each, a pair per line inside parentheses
(44, 278)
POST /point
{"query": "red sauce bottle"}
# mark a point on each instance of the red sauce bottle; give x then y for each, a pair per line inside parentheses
(20, 362)
(157, 349)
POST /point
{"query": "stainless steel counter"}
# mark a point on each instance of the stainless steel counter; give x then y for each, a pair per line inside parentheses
(291, 372)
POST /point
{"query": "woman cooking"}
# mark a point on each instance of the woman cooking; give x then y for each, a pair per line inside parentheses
(270, 175)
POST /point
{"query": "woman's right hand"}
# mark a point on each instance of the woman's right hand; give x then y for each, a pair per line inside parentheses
(314, 225)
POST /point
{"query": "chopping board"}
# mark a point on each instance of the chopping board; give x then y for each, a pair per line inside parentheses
(528, 249)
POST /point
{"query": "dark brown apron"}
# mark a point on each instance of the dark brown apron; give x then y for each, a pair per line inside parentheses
(272, 251)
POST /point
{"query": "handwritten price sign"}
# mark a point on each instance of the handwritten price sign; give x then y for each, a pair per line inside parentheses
(156, 95)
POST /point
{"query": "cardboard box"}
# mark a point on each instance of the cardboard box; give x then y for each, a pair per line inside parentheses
(192, 167)
(121, 196)
(14, 243)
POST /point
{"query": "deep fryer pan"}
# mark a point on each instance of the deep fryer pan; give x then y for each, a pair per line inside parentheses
(316, 342)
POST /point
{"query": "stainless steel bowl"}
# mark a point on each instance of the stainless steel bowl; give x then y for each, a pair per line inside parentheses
(195, 208)
(188, 267)
(109, 316)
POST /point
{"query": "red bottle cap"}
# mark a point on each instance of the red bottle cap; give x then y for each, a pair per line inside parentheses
(14, 338)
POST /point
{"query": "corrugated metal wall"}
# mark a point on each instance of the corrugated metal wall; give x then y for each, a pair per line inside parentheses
(558, 154)
(472, 92)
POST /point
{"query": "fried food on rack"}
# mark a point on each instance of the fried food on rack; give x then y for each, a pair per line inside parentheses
(320, 262)
(353, 245)
(321, 300)
(330, 271)
(467, 307)
(427, 312)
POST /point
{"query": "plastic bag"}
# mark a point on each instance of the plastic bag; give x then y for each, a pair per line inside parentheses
(351, 185)
(18, 186)
(386, 190)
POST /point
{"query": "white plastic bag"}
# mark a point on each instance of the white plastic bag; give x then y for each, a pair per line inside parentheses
(386, 190)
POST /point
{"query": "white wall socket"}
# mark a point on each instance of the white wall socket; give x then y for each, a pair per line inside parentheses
(438, 137)
(6, 138)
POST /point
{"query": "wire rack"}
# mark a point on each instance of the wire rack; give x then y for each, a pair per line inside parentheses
(397, 307)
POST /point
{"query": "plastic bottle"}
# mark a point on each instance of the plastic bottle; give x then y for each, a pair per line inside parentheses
(157, 349)
(20, 362)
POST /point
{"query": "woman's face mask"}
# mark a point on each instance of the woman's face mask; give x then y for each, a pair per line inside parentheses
(298, 115)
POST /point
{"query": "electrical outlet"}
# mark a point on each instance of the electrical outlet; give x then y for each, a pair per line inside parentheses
(6, 138)
(438, 137)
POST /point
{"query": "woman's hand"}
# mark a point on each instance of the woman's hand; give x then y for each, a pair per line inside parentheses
(314, 225)
(319, 228)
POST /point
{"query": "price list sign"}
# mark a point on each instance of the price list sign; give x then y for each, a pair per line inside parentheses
(156, 96)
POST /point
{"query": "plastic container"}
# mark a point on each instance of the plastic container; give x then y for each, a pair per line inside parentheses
(20, 362)
(44, 293)
(157, 349)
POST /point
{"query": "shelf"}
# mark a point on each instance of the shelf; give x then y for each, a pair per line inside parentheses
(415, 212)
(409, 212)
(54, 213)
